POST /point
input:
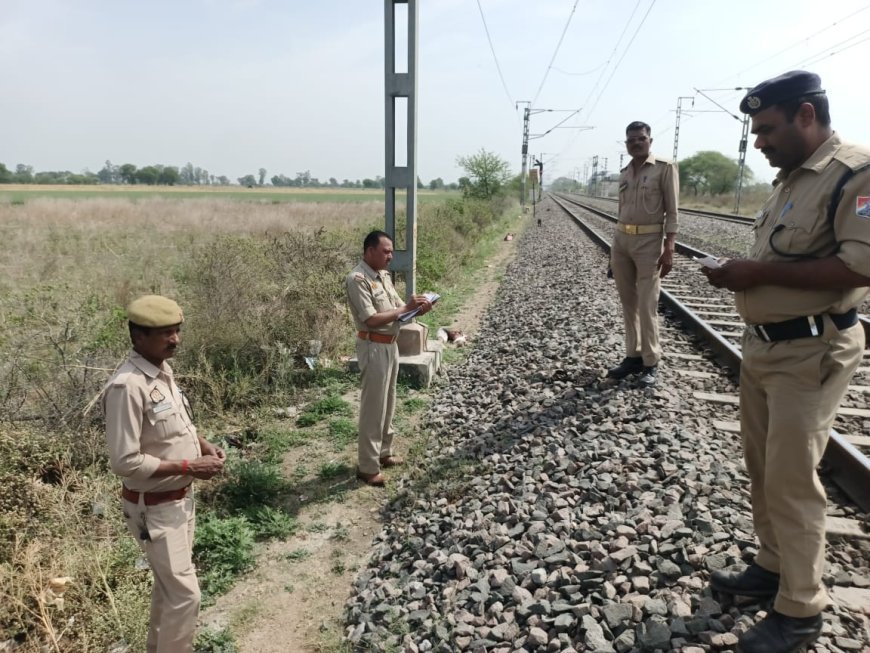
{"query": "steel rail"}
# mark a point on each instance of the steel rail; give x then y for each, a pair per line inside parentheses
(726, 217)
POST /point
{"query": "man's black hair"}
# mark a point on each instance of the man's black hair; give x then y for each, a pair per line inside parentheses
(637, 125)
(374, 239)
(820, 104)
(136, 328)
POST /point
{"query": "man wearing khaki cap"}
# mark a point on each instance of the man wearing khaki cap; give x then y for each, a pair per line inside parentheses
(155, 449)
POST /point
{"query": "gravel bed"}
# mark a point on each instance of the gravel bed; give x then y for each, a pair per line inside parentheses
(560, 513)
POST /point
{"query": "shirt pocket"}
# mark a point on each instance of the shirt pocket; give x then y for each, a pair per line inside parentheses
(806, 238)
(164, 422)
(651, 197)
(381, 300)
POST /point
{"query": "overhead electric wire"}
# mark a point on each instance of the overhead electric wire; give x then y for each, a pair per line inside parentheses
(624, 52)
(797, 43)
(604, 71)
(824, 55)
(556, 52)
(613, 53)
(588, 72)
(497, 66)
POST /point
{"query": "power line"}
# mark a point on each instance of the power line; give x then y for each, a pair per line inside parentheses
(588, 72)
(799, 42)
(824, 55)
(492, 49)
(604, 71)
(613, 53)
(624, 52)
(556, 52)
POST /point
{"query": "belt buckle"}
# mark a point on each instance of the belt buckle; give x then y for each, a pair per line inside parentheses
(758, 330)
(631, 229)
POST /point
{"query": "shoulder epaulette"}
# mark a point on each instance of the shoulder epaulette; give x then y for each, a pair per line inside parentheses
(853, 157)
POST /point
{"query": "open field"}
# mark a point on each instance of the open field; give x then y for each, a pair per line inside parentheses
(258, 282)
(20, 193)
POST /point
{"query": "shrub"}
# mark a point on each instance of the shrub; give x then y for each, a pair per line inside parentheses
(250, 483)
(215, 641)
(269, 523)
(223, 549)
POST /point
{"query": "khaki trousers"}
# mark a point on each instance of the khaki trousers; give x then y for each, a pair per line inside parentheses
(379, 366)
(634, 262)
(789, 395)
(167, 529)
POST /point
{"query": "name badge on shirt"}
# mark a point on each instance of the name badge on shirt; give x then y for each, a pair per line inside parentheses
(161, 407)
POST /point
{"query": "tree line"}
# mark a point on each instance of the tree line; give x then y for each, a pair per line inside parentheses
(704, 173)
(190, 175)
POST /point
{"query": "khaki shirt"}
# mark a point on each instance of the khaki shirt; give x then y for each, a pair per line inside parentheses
(800, 202)
(650, 196)
(369, 293)
(146, 422)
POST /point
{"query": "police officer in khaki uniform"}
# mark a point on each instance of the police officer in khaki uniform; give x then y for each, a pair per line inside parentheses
(798, 292)
(376, 307)
(640, 256)
(155, 449)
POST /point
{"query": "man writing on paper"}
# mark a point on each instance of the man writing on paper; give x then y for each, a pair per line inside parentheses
(376, 307)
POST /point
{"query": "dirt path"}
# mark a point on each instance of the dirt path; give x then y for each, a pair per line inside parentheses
(293, 601)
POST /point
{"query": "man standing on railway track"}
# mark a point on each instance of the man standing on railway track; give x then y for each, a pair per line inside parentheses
(376, 307)
(798, 292)
(643, 250)
(154, 447)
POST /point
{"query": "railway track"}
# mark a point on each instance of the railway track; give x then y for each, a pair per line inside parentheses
(709, 313)
(715, 215)
(557, 512)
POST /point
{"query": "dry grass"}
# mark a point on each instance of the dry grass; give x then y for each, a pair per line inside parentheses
(259, 279)
(129, 243)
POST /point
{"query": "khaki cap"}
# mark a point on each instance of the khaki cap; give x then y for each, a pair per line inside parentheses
(154, 311)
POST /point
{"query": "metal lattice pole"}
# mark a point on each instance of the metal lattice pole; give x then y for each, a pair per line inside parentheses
(401, 85)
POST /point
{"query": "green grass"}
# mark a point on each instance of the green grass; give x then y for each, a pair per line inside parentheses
(342, 432)
(333, 469)
(298, 555)
(332, 405)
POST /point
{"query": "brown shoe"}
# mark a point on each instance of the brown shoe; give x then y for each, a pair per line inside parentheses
(392, 461)
(377, 480)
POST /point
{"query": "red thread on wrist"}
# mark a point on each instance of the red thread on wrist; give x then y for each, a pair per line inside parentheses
(185, 465)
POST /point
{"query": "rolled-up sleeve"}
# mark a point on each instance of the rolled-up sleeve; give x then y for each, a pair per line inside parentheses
(852, 224)
(124, 410)
(671, 197)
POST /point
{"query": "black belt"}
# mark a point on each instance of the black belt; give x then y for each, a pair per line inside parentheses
(802, 327)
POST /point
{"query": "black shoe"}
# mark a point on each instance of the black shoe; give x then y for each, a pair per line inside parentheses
(753, 581)
(777, 633)
(648, 376)
(629, 365)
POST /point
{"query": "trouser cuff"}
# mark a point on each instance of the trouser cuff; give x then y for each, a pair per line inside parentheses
(800, 610)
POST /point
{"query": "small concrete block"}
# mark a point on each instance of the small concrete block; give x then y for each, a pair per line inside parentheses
(417, 370)
(412, 339)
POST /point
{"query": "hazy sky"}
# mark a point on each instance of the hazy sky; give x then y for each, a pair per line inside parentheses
(293, 85)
